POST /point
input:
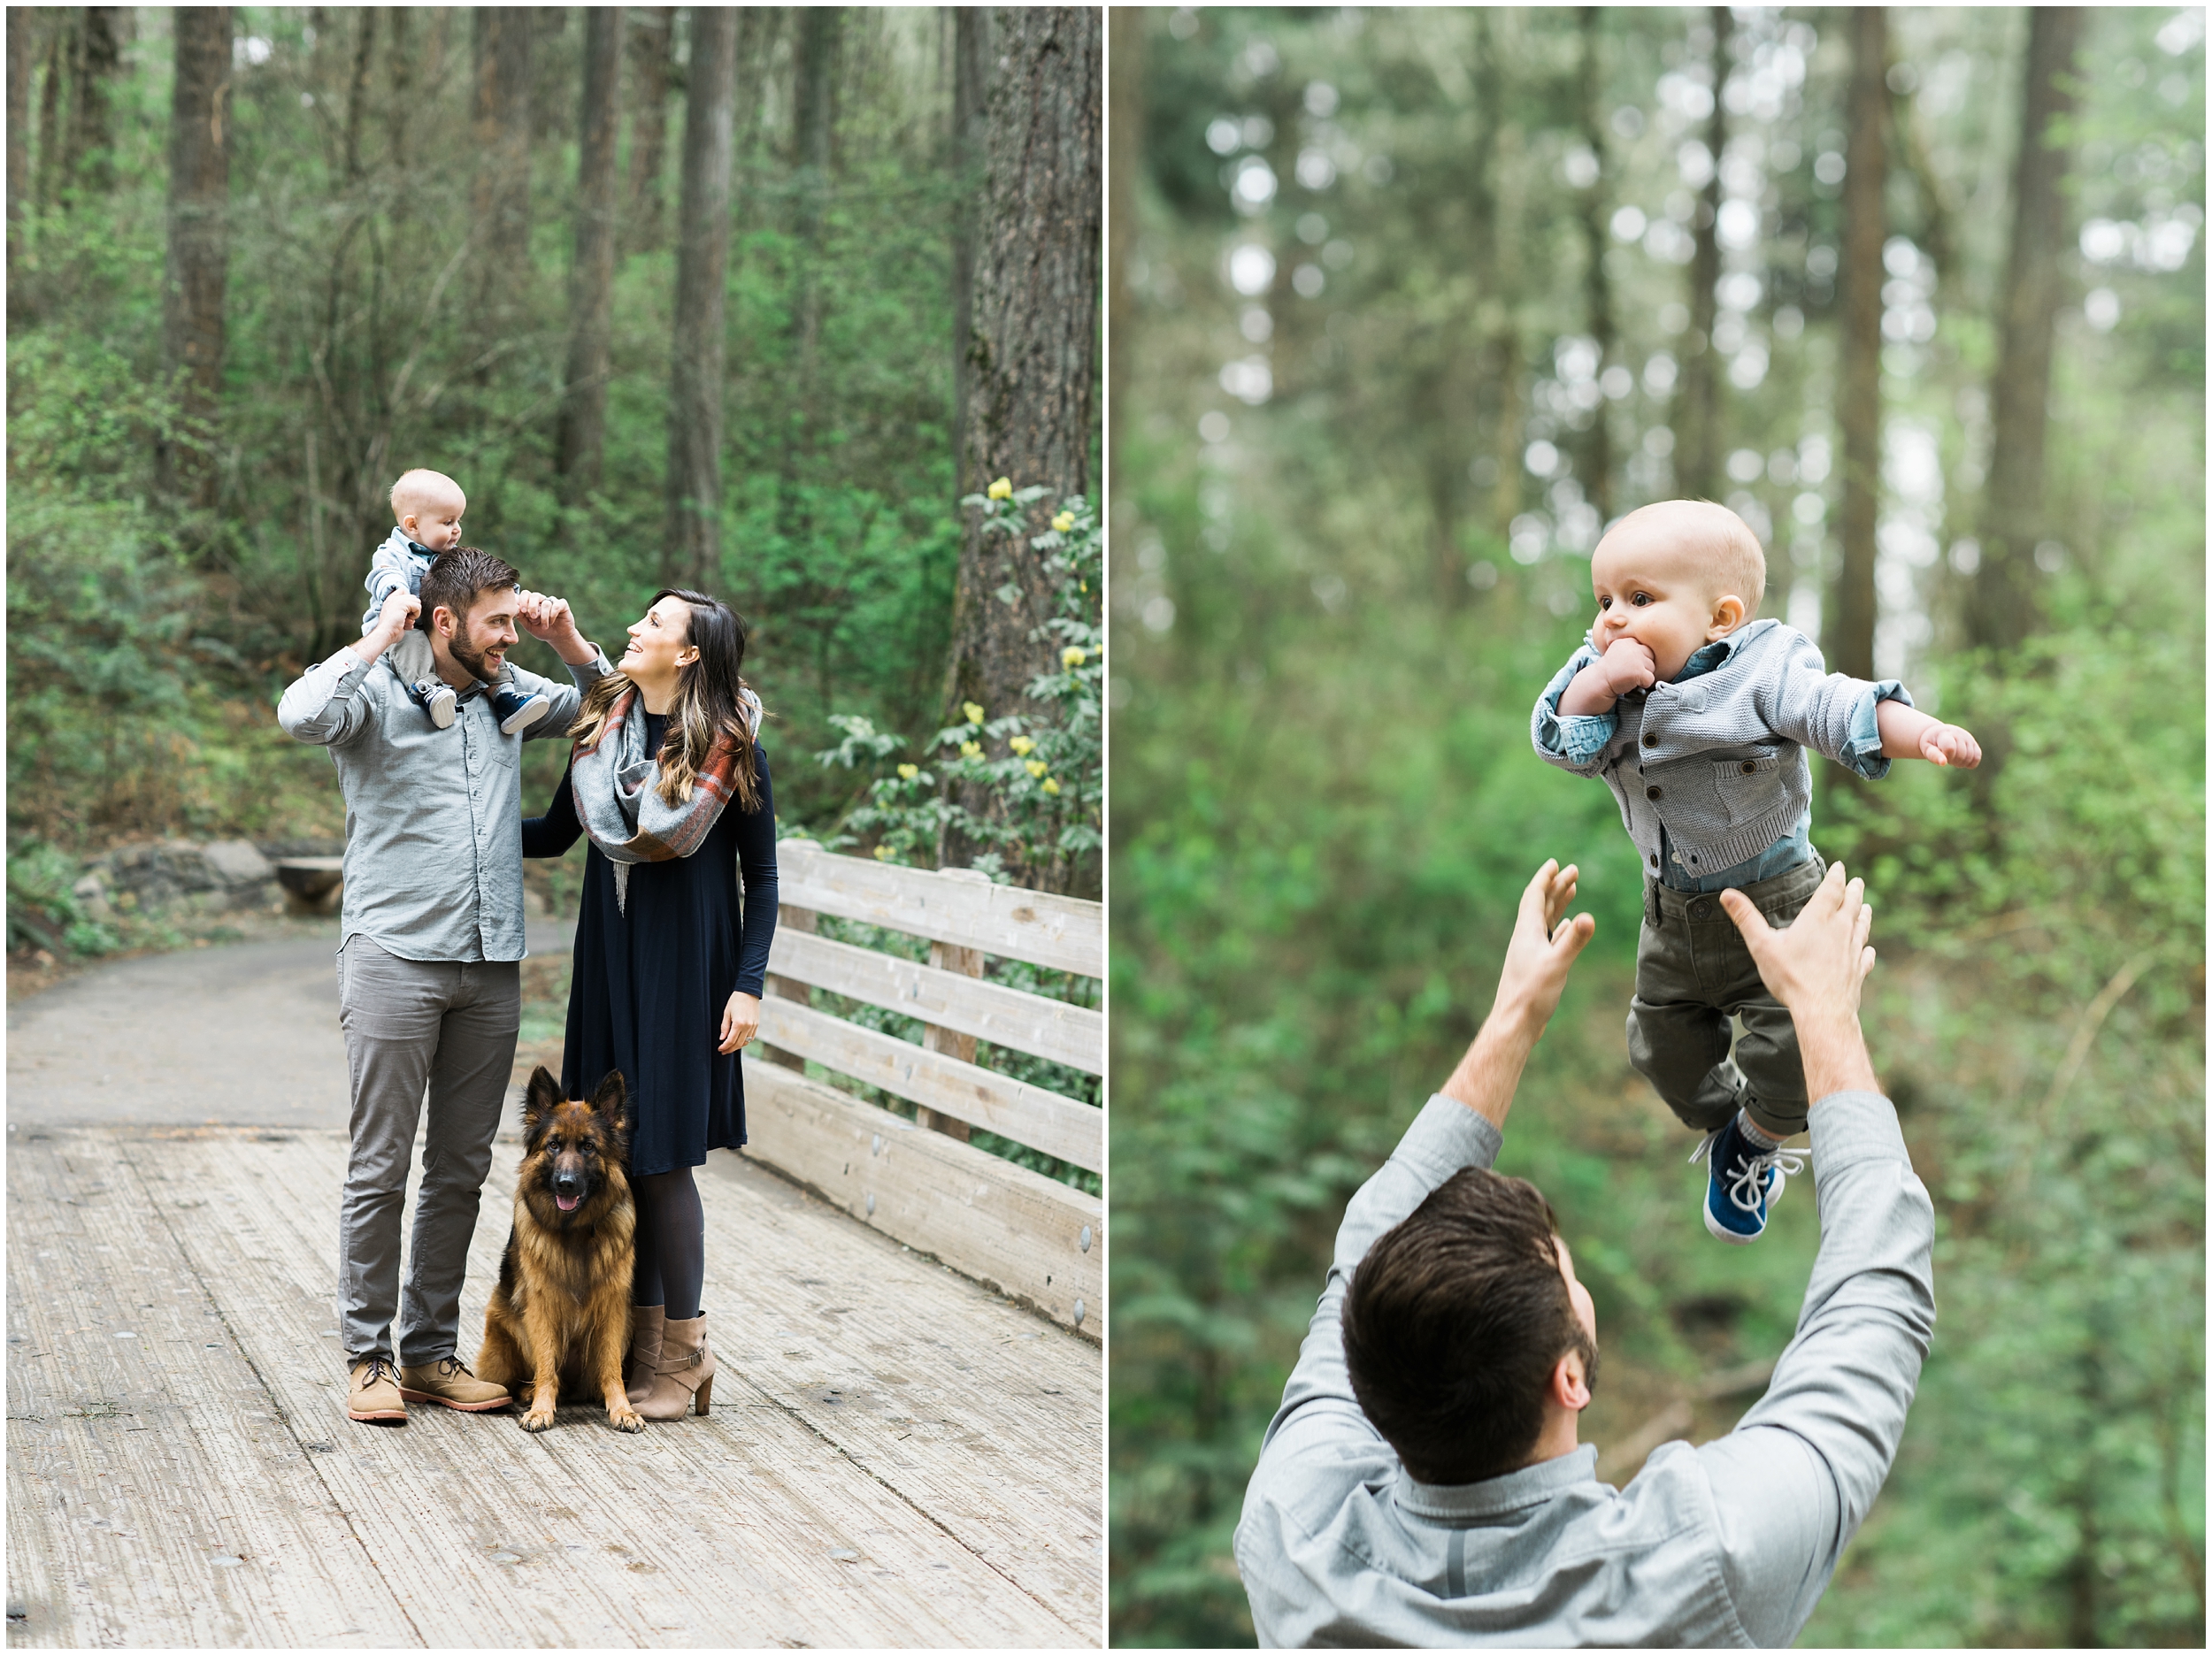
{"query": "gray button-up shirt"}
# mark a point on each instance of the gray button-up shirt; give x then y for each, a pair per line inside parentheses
(434, 817)
(1730, 1543)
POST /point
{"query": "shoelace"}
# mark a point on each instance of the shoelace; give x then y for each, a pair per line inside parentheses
(378, 1368)
(1747, 1182)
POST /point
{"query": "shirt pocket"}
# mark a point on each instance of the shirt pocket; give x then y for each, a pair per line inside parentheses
(1750, 785)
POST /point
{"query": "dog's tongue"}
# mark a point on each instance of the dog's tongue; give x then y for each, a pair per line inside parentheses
(566, 1203)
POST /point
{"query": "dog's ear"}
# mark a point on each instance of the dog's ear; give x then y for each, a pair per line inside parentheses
(540, 1098)
(611, 1101)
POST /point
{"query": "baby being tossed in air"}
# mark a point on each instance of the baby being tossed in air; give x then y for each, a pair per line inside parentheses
(426, 507)
(1697, 716)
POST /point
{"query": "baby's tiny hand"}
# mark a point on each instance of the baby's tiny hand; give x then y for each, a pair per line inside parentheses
(1949, 745)
(1628, 665)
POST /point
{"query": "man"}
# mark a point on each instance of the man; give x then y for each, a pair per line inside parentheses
(1422, 1484)
(429, 980)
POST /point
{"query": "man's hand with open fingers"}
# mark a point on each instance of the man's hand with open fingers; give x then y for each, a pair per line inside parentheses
(1815, 967)
(1537, 960)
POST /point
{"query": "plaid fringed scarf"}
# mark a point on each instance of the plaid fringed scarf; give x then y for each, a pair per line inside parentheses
(617, 794)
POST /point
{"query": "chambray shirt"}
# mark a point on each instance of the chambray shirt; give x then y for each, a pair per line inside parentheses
(434, 817)
(1730, 1543)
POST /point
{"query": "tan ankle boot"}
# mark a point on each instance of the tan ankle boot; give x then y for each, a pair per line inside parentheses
(645, 1350)
(683, 1374)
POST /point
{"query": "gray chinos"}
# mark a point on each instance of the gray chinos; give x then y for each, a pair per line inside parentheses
(446, 1028)
(1693, 973)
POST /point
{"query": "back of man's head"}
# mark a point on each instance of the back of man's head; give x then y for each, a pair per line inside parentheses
(1454, 1323)
(456, 579)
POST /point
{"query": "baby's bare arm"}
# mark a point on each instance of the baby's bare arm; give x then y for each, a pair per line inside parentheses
(1909, 733)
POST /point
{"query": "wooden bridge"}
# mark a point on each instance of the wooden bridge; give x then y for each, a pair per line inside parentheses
(899, 1454)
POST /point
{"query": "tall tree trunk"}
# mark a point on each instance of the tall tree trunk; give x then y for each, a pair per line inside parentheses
(501, 111)
(1495, 274)
(199, 248)
(357, 91)
(49, 107)
(653, 72)
(2006, 599)
(1597, 285)
(400, 66)
(813, 101)
(1126, 134)
(1033, 350)
(692, 541)
(89, 163)
(1697, 398)
(591, 282)
(971, 94)
(1859, 402)
(22, 51)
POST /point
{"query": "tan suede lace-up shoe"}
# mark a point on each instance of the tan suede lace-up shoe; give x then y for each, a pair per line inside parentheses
(449, 1383)
(374, 1396)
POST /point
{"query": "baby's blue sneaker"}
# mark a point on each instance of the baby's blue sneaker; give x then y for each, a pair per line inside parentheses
(1743, 1182)
(518, 711)
(436, 699)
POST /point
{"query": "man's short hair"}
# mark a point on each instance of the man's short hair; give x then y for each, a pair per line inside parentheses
(1453, 1325)
(456, 579)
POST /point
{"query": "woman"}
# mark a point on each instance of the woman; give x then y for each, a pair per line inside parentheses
(668, 781)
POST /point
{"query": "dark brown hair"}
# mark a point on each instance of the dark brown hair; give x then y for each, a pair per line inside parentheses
(456, 579)
(1453, 1325)
(709, 701)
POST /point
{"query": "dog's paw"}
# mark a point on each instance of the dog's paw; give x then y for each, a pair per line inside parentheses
(538, 1420)
(627, 1419)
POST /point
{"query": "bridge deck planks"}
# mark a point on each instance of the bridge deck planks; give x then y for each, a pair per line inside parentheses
(896, 1455)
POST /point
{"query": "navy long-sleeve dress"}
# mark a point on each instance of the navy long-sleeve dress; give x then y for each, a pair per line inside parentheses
(648, 987)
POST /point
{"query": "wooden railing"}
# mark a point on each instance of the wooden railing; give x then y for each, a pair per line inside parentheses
(1031, 1237)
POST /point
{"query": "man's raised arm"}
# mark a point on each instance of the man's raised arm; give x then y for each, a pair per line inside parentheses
(1795, 1479)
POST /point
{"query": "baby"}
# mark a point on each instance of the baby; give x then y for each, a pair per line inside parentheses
(1698, 715)
(426, 507)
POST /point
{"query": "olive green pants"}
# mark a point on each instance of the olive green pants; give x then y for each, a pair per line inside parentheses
(1693, 974)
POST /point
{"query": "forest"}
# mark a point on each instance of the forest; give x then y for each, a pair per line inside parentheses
(750, 299)
(1406, 306)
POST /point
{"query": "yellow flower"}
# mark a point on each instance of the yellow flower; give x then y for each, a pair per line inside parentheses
(1001, 489)
(1065, 522)
(971, 749)
(908, 772)
(1082, 585)
(1035, 767)
(1071, 657)
(974, 712)
(883, 853)
(1021, 745)
(1051, 786)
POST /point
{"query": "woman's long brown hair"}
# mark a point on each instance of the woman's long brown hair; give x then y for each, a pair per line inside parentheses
(709, 702)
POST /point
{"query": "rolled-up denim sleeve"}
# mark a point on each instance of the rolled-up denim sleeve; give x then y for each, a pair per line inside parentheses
(1570, 740)
(1862, 747)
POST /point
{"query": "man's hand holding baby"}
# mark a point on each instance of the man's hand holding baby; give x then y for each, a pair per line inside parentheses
(392, 621)
(1627, 665)
(549, 620)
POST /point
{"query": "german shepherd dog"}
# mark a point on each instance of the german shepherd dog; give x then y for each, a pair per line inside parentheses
(560, 1316)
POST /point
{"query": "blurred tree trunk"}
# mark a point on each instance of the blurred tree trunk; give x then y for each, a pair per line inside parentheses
(1495, 272)
(1597, 285)
(1126, 134)
(692, 546)
(199, 249)
(22, 49)
(1859, 401)
(89, 162)
(583, 426)
(971, 94)
(399, 64)
(1697, 400)
(500, 198)
(653, 65)
(49, 106)
(358, 90)
(1032, 354)
(814, 117)
(2006, 599)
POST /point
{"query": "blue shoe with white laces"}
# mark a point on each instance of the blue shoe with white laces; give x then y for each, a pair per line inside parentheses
(1743, 1182)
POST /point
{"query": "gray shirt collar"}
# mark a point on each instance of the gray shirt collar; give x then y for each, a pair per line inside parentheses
(1494, 1497)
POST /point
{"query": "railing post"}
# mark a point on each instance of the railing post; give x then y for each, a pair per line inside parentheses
(784, 988)
(968, 962)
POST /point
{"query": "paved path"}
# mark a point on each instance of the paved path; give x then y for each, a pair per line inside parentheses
(245, 1035)
(897, 1456)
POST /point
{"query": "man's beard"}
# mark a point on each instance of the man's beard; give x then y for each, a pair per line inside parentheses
(470, 661)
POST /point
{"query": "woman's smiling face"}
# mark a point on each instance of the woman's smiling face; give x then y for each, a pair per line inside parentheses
(660, 644)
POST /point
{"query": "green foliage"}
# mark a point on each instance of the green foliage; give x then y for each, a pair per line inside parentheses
(1027, 786)
(1331, 629)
